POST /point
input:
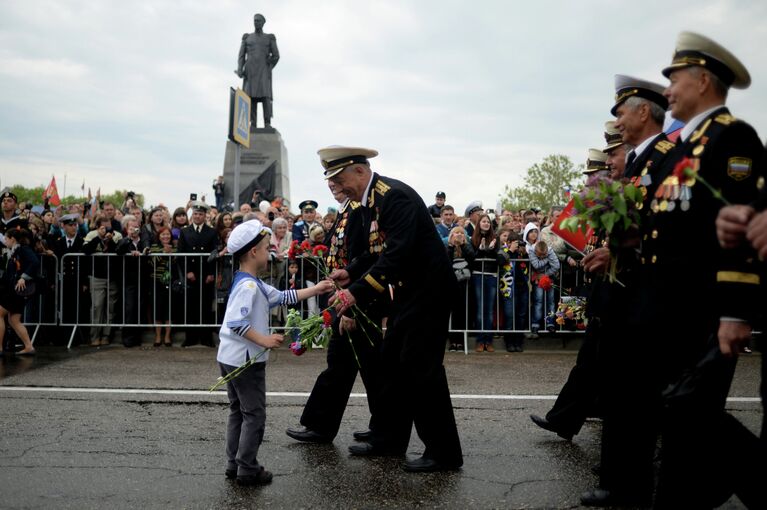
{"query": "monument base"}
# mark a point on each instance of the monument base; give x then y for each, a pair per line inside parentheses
(263, 166)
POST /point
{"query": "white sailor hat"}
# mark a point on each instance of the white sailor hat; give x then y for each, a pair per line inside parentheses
(69, 218)
(628, 86)
(335, 158)
(245, 236)
(596, 161)
(697, 50)
(199, 205)
(613, 136)
(473, 206)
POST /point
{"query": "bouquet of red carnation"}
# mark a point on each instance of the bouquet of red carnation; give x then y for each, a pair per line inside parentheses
(309, 333)
(545, 283)
(610, 206)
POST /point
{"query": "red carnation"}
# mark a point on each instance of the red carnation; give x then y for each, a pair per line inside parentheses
(545, 283)
(683, 169)
(319, 250)
(327, 319)
(306, 245)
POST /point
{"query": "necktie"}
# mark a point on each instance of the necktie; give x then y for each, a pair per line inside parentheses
(631, 158)
(198, 228)
(69, 243)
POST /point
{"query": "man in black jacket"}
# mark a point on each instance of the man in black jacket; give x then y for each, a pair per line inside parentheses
(75, 301)
(200, 239)
(414, 269)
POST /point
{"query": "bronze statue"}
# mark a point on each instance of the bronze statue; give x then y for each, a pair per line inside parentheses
(258, 55)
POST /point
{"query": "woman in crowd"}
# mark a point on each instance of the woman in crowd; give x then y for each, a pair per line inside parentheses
(223, 221)
(163, 269)
(156, 220)
(568, 257)
(19, 274)
(179, 221)
(131, 247)
(484, 279)
(461, 255)
(224, 274)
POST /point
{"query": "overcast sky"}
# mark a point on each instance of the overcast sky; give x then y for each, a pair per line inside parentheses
(460, 97)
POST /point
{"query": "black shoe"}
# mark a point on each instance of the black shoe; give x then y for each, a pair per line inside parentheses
(308, 435)
(363, 435)
(427, 465)
(231, 474)
(547, 425)
(368, 450)
(261, 478)
(603, 497)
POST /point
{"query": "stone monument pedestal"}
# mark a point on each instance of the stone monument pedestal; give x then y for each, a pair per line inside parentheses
(264, 166)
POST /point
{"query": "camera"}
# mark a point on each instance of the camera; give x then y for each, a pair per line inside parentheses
(108, 230)
(192, 196)
(131, 194)
(270, 216)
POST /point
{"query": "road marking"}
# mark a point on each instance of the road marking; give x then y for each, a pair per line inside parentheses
(139, 391)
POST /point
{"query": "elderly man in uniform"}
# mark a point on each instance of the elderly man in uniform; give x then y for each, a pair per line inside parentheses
(577, 398)
(415, 386)
(200, 271)
(355, 344)
(721, 301)
(302, 227)
(629, 398)
(258, 55)
(616, 150)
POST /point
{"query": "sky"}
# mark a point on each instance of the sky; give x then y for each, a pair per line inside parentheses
(457, 97)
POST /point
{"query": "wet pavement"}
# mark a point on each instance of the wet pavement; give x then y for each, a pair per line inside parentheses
(162, 446)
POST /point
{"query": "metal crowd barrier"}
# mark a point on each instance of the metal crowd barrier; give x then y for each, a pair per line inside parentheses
(567, 283)
(127, 291)
(41, 310)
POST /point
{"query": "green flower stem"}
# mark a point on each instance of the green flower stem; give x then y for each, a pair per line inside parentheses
(237, 371)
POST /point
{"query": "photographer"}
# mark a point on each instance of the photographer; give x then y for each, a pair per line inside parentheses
(101, 241)
(132, 247)
(218, 191)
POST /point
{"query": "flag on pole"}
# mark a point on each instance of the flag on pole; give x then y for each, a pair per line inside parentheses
(672, 127)
(52, 193)
(578, 239)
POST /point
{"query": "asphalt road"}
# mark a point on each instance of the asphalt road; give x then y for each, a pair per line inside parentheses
(117, 428)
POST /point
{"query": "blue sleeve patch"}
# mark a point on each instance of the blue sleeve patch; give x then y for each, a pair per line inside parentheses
(244, 311)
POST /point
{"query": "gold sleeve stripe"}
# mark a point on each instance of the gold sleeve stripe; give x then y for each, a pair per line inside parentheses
(736, 277)
(373, 283)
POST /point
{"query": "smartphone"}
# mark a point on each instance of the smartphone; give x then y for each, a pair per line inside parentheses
(192, 196)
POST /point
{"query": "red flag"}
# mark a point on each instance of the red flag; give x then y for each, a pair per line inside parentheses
(51, 193)
(578, 239)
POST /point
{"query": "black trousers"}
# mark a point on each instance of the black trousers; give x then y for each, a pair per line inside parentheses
(578, 397)
(199, 310)
(415, 389)
(131, 335)
(326, 405)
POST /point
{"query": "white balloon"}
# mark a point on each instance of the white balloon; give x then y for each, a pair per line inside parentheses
(264, 206)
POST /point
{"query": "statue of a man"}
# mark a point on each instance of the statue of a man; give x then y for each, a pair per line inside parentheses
(258, 55)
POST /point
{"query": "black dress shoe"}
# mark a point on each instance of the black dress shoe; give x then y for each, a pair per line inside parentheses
(427, 465)
(231, 474)
(547, 425)
(363, 435)
(604, 497)
(308, 435)
(368, 450)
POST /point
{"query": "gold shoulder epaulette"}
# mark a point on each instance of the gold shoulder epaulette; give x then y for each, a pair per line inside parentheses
(354, 204)
(382, 187)
(664, 146)
(725, 118)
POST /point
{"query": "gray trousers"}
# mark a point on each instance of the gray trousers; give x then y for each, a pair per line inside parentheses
(247, 418)
(102, 306)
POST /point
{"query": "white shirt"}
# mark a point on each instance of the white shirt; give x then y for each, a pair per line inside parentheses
(248, 308)
(695, 122)
(639, 149)
(364, 200)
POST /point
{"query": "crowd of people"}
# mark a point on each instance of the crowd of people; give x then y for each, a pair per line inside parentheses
(497, 265)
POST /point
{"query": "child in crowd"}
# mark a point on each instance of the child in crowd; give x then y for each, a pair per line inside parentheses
(509, 252)
(245, 335)
(545, 263)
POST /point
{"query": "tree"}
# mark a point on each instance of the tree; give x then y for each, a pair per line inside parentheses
(545, 184)
(35, 196)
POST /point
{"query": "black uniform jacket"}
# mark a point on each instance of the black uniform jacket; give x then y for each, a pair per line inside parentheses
(688, 272)
(189, 241)
(412, 257)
